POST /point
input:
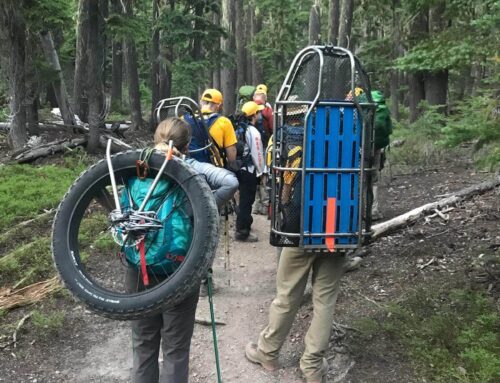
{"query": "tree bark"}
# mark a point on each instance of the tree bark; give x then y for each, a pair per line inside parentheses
(436, 88)
(436, 83)
(94, 76)
(132, 74)
(155, 64)
(314, 25)
(117, 66)
(216, 73)
(346, 23)
(240, 44)
(16, 36)
(117, 76)
(32, 92)
(416, 80)
(248, 41)
(59, 87)
(228, 75)
(416, 89)
(80, 98)
(397, 51)
(333, 21)
(256, 22)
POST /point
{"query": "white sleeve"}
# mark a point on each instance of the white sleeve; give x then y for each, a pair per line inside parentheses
(256, 149)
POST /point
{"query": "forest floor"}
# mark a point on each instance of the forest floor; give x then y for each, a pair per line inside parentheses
(89, 348)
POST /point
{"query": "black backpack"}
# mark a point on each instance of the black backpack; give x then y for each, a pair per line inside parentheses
(243, 159)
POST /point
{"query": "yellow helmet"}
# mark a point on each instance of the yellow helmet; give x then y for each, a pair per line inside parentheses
(357, 91)
(212, 95)
(250, 108)
(261, 88)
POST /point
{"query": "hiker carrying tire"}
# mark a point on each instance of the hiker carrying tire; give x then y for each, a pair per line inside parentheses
(173, 328)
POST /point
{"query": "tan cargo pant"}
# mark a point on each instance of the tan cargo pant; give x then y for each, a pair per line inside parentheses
(291, 279)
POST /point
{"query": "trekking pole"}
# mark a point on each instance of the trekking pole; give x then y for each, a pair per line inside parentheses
(212, 317)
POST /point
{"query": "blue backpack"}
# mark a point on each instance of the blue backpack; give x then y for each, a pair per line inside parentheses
(166, 248)
(199, 136)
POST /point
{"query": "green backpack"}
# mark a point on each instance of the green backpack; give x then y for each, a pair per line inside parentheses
(166, 248)
(245, 93)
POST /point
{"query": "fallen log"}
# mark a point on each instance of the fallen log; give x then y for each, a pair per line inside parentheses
(10, 299)
(412, 216)
(48, 125)
(44, 150)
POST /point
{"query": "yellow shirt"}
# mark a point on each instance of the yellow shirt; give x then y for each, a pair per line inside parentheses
(222, 132)
(294, 161)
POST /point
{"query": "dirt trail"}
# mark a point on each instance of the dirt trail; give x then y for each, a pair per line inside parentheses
(93, 349)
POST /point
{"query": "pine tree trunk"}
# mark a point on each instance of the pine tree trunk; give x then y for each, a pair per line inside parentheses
(248, 41)
(132, 74)
(228, 73)
(314, 25)
(58, 84)
(116, 66)
(216, 70)
(80, 98)
(94, 77)
(257, 72)
(416, 94)
(416, 85)
(397, 51)
(16, 36)
(165, 71)
(240, 44)
(436, 88)
(436, 83)
(346, 23)
(117, 76)
(166, 75)
(32, 92)
(155, 65)
(333, 21)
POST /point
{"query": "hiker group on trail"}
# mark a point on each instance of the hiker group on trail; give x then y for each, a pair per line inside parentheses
(234, 156)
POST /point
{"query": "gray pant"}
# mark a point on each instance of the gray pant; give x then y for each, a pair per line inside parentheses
(174, 328)
(294, 267)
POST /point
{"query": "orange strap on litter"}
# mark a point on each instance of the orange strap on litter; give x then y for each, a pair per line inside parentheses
(331, 211)
(144, 271)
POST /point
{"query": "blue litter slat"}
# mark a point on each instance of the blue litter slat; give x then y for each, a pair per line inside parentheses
(333, 158)
(341, 142)
(307, 182)
(319, 200)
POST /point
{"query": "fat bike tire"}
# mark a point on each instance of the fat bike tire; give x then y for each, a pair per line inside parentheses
(119, 303)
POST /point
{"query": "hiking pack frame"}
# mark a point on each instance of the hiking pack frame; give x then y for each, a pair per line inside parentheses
(326, 98)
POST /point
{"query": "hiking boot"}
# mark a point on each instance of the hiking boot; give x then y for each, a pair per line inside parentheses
(324, 374)
(254, 355)
(243, 237)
